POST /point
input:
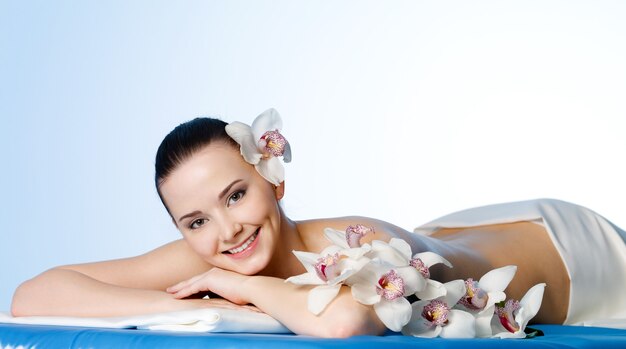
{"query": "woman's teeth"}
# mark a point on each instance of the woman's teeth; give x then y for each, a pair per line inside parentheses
(245, 244)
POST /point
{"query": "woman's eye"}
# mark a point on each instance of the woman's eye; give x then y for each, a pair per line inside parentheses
(197, 223)
(238, 195)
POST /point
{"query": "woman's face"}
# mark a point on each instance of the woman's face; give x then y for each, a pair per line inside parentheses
(226, 211)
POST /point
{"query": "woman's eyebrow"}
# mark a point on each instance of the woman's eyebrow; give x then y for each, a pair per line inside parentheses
(220, 197)
(188, 215)
(227, 189)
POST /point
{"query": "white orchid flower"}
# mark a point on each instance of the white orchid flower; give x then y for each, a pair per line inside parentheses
(514, 316)
(385, 287)
(398, 252)
(261, 144)
(351, 238)
(436, 318)
(329, 270)
(481, 296)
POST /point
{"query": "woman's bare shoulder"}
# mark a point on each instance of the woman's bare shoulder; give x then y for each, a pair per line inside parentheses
(156, 269)
(314, 228)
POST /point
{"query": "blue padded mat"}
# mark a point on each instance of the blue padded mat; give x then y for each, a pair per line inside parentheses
(39, 336)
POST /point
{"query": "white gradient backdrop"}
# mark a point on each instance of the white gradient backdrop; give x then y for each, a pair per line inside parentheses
(401, 110)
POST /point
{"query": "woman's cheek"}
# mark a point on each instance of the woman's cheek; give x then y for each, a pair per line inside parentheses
(201, 245)
(253, 211)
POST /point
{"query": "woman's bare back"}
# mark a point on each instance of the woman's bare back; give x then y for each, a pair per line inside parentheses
(473, 251)
(524, 244)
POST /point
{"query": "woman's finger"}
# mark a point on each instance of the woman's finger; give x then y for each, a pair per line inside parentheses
(183, 284)
(198, 285)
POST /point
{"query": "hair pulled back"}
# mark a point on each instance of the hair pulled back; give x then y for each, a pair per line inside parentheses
(184, 141)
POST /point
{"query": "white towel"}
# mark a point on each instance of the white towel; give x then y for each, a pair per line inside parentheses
(200, 320)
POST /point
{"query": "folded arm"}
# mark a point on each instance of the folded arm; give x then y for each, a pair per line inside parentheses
(287, 303)
(121, 287)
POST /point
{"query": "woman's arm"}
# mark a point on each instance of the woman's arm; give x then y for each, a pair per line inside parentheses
(286, 302)
(112, 288)
(344, 317)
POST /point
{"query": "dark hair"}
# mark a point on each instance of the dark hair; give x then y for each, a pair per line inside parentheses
(184, 141)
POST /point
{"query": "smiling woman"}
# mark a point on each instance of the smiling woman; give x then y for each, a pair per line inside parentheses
(222, 185)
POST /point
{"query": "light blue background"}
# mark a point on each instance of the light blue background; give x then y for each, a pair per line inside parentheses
(401, 110)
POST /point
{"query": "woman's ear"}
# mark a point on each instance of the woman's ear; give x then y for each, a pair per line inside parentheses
(280, 190)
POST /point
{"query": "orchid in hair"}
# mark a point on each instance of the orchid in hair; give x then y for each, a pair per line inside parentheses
(262, 143)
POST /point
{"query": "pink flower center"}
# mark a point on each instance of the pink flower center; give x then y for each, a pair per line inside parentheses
(420, 266)
(390, 286)
(475, 298)
(436, 312)
(506, 314)
(272, 143)
(326, 267)
(354, 233)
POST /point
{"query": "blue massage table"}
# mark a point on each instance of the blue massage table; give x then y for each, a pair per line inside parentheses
(42, 336)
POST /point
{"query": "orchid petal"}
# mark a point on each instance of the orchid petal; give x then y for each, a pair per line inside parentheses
(357, 252)
(460, 325)
(287, 153)
(494, 297)
(269, 120)
(418, 326)
(502, 332)
(401, 246)
(369, 274)
(320, 296)
(366, 280)
(355, 264)
(348, 268)
(345, 274)
(530, 304)
(436, 332)
(413, 280)
(431, 258)
(308, 260)
(365, 293)
(497, 279)
(242, 134)
(432, 290)
(426, 332)
(395, 313)
(483, 322)
(454, 291)
(507, 334)
(387, 253)
(336, 237)
(332, 249)
(272, 170)
(305, 279)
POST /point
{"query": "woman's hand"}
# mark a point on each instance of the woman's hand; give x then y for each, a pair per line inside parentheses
(225, 283)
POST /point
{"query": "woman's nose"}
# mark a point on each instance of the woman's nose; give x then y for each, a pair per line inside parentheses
(230, 228)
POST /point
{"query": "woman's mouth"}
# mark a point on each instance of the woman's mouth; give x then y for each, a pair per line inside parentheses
(248, 245)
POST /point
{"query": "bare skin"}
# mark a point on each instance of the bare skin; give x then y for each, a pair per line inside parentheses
(145, 278)
(524, 244)
(473, 251)
(219, 203)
